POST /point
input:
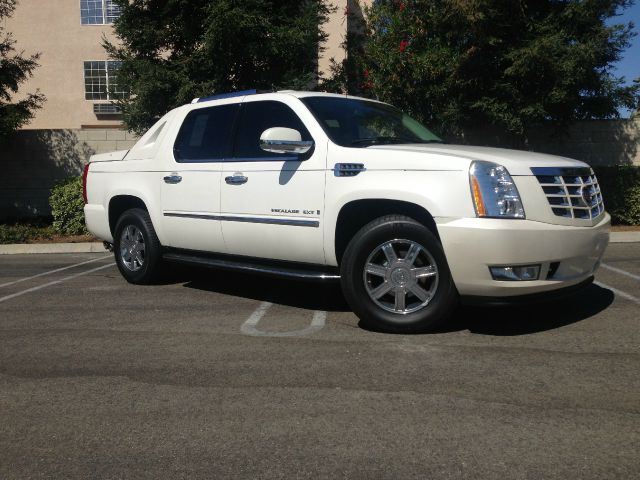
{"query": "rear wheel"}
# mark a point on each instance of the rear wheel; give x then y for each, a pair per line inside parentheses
(136, 247)
(395, 276)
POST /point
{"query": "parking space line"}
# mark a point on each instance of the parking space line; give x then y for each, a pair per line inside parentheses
(53, 271)
(619, 293)
(250, 326)
(620, 271)
(55, 282)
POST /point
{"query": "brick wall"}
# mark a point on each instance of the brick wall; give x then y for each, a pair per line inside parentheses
(34, 160)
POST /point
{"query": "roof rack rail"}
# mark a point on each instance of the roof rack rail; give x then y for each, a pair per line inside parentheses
(228, 95)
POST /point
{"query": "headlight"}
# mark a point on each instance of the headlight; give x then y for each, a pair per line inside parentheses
(493, 191)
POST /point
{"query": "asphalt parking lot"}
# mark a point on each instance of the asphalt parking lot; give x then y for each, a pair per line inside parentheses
(219, 375)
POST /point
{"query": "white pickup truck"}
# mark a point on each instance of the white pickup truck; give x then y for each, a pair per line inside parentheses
(320, 186)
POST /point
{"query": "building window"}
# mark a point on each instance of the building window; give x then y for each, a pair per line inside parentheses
(100, 81)
(98, 12)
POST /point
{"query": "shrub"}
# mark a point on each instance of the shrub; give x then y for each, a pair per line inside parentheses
(24, 233)
(633, 211)
(67, 207)
(620, 187)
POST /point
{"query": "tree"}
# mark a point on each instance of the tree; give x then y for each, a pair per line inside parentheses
(457, 64)
(174, 50)
(15, 68)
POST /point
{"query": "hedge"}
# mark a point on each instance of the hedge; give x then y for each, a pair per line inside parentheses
(620, 187)
(67, 207)
(24, 233)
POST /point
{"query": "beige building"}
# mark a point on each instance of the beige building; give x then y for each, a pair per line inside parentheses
(74, 71)
(55, 29)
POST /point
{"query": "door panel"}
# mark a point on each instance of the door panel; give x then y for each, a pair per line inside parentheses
(190, 209)
(277, 213)
(191, 188)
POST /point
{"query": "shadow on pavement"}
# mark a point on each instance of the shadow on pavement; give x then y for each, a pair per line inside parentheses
(308, 295)
(540, 317)
(497, 321)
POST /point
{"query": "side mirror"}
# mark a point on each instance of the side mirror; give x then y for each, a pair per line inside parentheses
(284, 140)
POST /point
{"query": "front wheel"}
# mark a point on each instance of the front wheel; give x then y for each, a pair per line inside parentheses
(137, 248)
(395, 276)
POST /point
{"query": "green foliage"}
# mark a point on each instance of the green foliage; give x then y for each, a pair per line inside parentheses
(620, 187)
(456, 64)
(67, 207)
(24, 233)
(173, 50)
(633, 206)
(15, 68)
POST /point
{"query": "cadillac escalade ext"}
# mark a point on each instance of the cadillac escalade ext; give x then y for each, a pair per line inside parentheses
(321, 186)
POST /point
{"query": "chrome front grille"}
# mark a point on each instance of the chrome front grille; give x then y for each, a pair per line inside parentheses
(571, 192)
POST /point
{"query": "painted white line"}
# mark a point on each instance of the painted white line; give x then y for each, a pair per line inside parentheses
(55, 282)
(619, 293)
(620, 271)
(250, 326)
(53, 271)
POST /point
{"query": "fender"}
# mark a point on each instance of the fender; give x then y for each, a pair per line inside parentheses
(436, 192)
(150, 198)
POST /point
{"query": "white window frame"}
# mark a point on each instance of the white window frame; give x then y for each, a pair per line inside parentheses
(104, 14)
(106, 69)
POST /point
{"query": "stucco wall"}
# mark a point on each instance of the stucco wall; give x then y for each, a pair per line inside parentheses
(36, 159)
(53, 29)
(344, 16)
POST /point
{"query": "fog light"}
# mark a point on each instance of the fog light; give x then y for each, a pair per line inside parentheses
(517, 273)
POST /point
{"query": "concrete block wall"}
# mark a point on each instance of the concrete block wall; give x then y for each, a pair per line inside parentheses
(33, 161)
(102, 140)
(597, 142)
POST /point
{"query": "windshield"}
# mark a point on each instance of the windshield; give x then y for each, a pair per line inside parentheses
(351, 122)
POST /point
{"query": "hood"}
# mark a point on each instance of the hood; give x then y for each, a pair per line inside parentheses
(517, 162)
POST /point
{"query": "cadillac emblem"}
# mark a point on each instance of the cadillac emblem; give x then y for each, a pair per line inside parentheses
(587, 195)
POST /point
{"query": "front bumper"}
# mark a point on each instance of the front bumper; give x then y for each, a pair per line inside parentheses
(473, 244)
(527, 299)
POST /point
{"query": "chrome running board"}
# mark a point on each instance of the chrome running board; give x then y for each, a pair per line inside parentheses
(249, 265)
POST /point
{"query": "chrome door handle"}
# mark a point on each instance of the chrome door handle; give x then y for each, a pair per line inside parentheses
(172, 179)
(236, 179)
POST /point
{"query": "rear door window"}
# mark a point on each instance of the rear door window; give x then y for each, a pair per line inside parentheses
(206, 134)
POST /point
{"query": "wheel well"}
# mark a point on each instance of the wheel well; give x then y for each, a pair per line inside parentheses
(120, 204)
(355, 215)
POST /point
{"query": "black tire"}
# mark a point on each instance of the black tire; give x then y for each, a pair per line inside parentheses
(147, 270)
(370, 246)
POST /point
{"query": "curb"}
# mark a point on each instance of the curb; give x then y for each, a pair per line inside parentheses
(97, 247)
(28, 248)
(624, 237)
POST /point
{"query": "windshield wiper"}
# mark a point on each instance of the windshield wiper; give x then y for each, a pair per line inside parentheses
(378, 141)
(365, 142)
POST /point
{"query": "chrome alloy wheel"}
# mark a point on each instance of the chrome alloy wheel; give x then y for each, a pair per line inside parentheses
(132, 249)
(401, 276)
